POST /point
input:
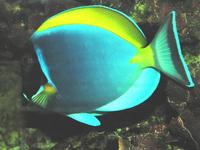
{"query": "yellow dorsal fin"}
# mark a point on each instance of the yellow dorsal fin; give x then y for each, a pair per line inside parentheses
(100, 16)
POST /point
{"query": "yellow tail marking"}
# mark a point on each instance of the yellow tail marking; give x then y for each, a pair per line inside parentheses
(144, 57)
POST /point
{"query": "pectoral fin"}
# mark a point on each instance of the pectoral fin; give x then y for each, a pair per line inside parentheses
(86, 118)
(43, 95)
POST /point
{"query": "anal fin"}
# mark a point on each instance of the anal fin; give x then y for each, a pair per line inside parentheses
(85, 118)
(140, 91)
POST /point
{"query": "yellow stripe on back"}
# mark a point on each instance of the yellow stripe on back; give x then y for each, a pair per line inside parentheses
(100, 16)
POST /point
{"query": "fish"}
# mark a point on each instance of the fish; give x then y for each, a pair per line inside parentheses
(97, 60)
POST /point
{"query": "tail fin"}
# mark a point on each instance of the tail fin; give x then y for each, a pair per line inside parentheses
(167, 52)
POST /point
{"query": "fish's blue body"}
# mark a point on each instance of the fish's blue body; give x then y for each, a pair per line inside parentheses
(94, 68)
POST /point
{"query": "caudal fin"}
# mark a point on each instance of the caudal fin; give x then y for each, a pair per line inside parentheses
(167, 52)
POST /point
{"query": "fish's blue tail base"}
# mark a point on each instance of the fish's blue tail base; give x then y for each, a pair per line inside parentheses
(167, 52)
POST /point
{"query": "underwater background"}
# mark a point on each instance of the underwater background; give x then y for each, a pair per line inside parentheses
(169, 120)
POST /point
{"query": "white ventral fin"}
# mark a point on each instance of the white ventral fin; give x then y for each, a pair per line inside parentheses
(86, 118)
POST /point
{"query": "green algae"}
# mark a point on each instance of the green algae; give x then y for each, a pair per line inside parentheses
(194, 63)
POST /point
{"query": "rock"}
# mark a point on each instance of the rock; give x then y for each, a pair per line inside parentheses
(10, 93)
